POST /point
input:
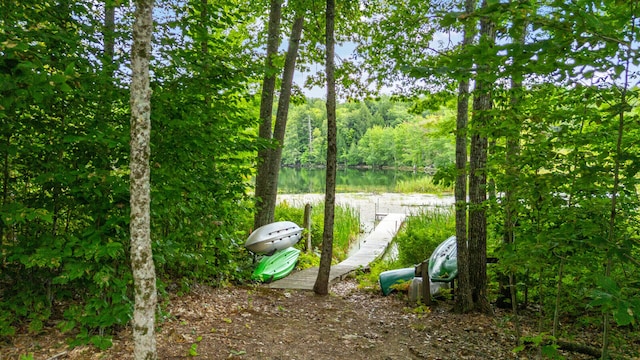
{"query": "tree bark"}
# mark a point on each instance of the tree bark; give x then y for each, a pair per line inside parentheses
(482, 103)
(464, 303)
(265, 214)
(109, 35)
(268, 197)
(321, 285)
(507, 293)
(144, 275)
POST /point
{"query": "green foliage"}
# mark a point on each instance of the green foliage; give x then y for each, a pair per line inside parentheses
(381, 133)
(422, 233)
(308, 260)
(369, 280)
(64, 230)
(611, 298)
(542, 341)
(64, 216)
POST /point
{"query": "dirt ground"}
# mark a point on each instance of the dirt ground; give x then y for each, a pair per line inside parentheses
(260, 323)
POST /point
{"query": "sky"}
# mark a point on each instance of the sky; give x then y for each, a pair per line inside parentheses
(345, 50)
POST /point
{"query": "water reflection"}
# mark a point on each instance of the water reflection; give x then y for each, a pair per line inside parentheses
(305, 181)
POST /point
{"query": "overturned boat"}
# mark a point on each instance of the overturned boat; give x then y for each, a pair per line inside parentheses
(443, 263)
(391, 278)
(272, 237)
(276, 266)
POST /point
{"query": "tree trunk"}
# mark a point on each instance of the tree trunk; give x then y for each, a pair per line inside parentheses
(618, 163)
(264, 214)
(109, 35)
(478, 176)
(268, 198)
(321, 286)
(506, 293)
(144, 275)
(464, 303)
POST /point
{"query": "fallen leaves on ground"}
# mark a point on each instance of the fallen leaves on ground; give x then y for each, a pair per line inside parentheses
(255, 322)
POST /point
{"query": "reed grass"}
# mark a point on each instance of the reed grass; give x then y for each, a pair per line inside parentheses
(346, 227)
(422, 233)
(423, 185)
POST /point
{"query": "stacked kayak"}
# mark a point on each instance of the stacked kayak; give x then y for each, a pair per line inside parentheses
(443, 268)
(443, 263)
(276, 266)
(272, 237)
(275, 241)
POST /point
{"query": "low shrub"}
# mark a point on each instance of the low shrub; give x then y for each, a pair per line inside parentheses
(422, 233)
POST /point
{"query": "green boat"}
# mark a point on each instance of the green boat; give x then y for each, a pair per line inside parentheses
(443, 263)
(392, 277)
(276, 266)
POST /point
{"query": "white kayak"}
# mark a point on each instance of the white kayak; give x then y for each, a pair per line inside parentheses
(272, 237)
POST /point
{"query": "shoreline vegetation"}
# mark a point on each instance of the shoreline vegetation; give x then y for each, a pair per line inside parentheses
(406, 180)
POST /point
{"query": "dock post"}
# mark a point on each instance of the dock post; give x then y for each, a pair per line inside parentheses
(426, 283)
(307, 225)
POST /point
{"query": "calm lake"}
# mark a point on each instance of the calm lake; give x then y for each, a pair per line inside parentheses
(309, 181)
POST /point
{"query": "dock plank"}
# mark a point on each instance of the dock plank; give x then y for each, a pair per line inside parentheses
(371, 248)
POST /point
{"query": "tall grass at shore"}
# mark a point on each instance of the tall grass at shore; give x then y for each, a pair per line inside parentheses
(422, 233)
(346, 228)
(423, 185)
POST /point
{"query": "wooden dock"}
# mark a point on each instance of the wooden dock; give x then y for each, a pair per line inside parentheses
(371, 248)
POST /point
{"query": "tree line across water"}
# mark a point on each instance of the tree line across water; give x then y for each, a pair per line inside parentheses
(374, 133)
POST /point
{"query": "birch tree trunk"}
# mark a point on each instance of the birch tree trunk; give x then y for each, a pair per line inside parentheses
(144, 275)
(321, 286)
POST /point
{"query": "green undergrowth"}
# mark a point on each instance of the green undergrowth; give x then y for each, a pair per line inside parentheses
(422, 233)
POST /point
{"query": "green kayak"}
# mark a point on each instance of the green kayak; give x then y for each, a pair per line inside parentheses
(276, 266)
(443, 263)
(392, 277)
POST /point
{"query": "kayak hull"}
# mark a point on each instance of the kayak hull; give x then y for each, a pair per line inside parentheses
(273, 237)
(443, 263)
(393, 277)
(276, 266)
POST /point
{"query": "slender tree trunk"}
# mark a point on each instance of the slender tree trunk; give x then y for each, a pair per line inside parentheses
(510, 188)
(264, 214)
(268, 199)
(144, 275)
(5, 196)
(611, 238)
(109, 34)
(482, 103)
(204, 47)
(556, 308)
(321, 286)
(464, 302)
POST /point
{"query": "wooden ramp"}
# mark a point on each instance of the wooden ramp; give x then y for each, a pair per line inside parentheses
(372, 247)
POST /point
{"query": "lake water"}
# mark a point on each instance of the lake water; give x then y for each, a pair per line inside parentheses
(309, 181)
